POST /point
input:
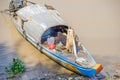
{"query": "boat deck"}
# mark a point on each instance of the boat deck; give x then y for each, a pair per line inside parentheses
(88, 63)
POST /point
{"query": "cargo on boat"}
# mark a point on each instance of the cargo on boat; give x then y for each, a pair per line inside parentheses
(42, 26)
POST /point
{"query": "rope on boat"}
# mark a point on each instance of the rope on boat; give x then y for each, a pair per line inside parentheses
(31, 2)
(6, 11)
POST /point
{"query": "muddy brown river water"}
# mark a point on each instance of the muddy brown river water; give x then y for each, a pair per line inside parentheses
(97, 22)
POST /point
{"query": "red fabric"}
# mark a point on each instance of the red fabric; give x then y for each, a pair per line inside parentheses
(51, 46)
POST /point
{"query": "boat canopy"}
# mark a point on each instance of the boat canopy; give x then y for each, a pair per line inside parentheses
(38, 19)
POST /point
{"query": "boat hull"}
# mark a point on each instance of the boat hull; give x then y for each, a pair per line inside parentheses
(57, 57)
(71, 65)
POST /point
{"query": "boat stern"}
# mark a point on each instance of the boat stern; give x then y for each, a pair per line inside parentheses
(98, 68)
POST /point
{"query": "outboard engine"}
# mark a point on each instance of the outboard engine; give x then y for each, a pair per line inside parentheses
(15, 5)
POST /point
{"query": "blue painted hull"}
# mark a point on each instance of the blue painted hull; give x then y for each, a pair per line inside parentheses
(62, 60)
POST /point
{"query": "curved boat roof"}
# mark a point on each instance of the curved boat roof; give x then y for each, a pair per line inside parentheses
(40, 18)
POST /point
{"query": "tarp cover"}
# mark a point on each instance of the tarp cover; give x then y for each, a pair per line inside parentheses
(39, 19)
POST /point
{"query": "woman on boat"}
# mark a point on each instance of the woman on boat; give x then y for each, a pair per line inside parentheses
(51, 42)
(61, 38)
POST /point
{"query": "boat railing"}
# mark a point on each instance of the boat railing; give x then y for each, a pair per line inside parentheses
(88, 53)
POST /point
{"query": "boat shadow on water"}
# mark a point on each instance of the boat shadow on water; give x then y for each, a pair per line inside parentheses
(6, 57)
(37, 72)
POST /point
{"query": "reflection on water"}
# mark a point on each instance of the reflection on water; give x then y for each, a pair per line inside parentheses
(6, 55)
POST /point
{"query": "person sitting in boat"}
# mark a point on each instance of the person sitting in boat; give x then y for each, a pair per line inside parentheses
(61, 38)
(60, 42)
(51, 42)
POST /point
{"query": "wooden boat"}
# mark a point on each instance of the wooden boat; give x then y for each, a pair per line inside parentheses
(38, 23)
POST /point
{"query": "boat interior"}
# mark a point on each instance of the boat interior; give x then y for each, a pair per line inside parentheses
(62, 40)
